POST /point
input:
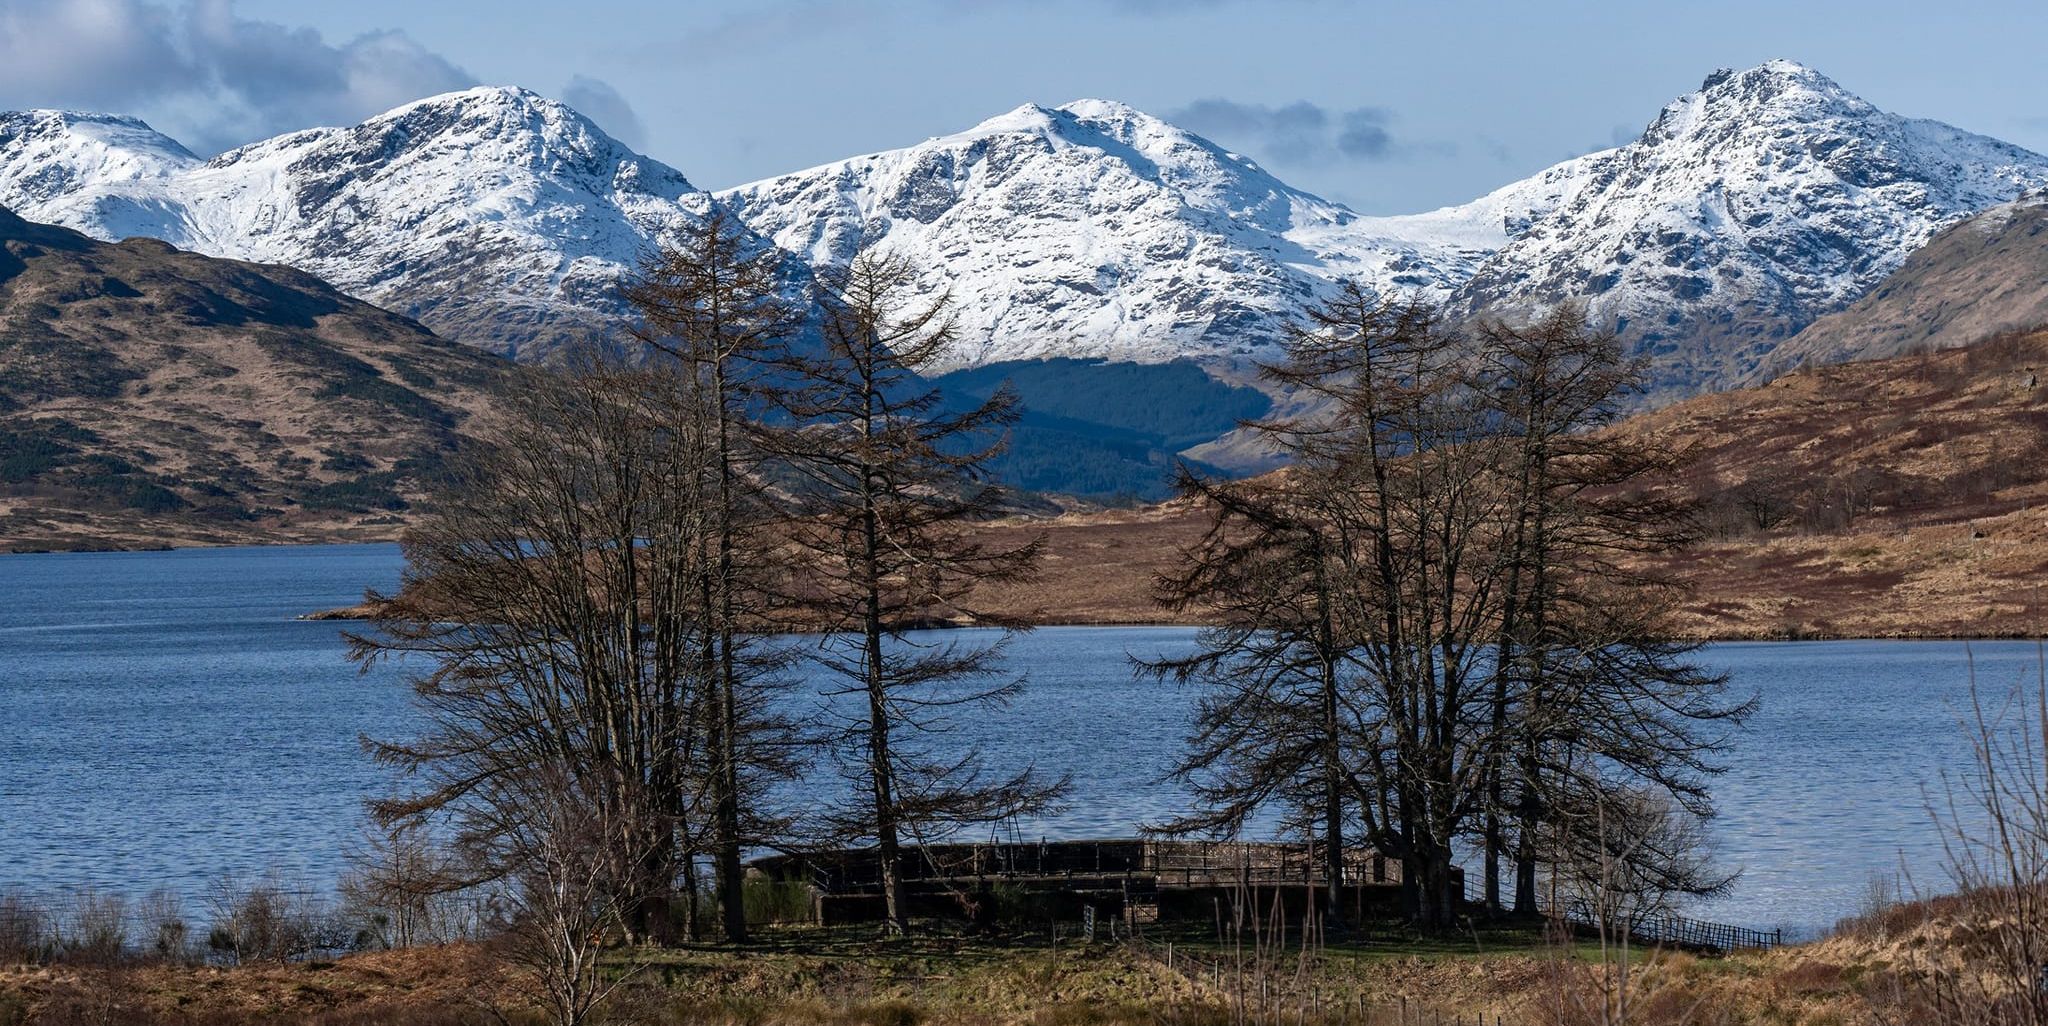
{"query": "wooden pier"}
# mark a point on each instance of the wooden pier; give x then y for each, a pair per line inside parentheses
(1139, 880)
(1142, 881)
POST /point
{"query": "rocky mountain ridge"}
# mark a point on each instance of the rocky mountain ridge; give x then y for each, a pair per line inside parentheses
(1095, 230)
(495, 216)
(1746, 210)
(1977, 279)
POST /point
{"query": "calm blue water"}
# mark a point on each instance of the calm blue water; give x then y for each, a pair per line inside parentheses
(164, 720)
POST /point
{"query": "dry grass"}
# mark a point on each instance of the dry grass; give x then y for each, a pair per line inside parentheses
(1944, 532)
(450, 984)
(1865, 976)
(238, 388)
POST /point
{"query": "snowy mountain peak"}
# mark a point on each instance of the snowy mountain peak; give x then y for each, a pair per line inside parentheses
(107, 132)
(509, 113)
(1747, 209)
(52, 153)
(1125, 123)
(496, 215)
(1775, 78)
(1772, 93)
(506, 127)
(1028, 117)
(1767, 197)
(517, 99)
(1093, 229)
(1107, 111)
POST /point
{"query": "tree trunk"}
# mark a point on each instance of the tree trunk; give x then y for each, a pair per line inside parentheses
(1525, 846)
(880, 770)
(886, 841)
(731, 875)
(726, 811)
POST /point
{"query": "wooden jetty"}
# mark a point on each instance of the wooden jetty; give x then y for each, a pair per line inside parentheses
(1140, 880)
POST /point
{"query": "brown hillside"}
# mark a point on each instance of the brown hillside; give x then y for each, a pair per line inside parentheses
(1980, 277)
(1898, 498)
(150, 396)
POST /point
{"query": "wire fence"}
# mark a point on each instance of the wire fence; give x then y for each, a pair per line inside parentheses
(1653, 927)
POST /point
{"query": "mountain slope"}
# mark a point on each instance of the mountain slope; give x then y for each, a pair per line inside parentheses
(1978, 278)
(1889, 498)
(1104, 431)
(151, 396)
(1094, 230)
(1746, 210)
(495, 216)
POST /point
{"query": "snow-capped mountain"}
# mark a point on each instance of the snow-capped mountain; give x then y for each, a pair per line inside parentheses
(1746, 210)
(1768, 198)
(495, 216)
(49, 154)
(1096, 230)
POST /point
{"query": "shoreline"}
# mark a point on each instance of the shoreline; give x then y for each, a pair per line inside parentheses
(363, 611)
(359, 612)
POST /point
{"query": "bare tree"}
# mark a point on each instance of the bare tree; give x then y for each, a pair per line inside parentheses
(550, 597)
(402, 889)
(1616, 866)
(716, 304)
(889, 482)
(1623, 857)
(1271, 727)
(1585, 660)
(571, 893)
(1435, 603)
(1405, 440)
(1993, 818)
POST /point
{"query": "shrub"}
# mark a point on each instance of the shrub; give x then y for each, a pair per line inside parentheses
(776, 901)
(162, 918)
(267, 922)
(96, 929)
(342, 461)
(24, 928)
(403, 890)
(32, 448)
(358, 495)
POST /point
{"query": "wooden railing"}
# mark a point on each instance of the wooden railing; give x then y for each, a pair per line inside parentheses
(1169, 863)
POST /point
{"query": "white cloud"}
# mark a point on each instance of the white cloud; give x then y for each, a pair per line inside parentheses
(598, 101)
(201, 72)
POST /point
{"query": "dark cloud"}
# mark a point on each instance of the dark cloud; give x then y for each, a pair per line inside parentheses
(1300, 133)
(599, 102)
(1364, 135)
(199, 71)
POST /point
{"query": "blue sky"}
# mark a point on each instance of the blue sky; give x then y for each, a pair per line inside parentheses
(1389, 107)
